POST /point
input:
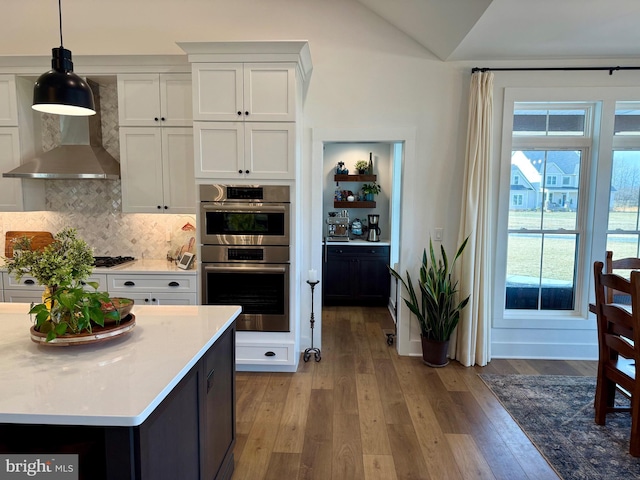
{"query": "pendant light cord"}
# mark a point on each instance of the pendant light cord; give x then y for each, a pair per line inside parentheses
(60, 17)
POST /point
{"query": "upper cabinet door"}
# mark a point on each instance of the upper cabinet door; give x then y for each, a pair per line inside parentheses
(219, 91)
(231, 92)
(155, 100)
(8, 102)
(269, 92)
(176, 100)
(139, 100)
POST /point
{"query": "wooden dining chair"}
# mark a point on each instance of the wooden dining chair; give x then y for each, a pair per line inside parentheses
(618, 350)
(629, 263)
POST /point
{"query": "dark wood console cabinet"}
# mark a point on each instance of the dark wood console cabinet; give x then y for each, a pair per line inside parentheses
(356, 275)
(189, 436)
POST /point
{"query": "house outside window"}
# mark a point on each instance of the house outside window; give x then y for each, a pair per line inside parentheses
(566, 181)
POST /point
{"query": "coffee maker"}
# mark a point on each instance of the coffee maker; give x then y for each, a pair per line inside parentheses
(338, 226)
(374, 231)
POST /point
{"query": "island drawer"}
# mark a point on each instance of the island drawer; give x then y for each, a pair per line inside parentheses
(155, 283)
(264, 354)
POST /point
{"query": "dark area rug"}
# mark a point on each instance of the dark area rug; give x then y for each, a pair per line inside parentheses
(556, 413)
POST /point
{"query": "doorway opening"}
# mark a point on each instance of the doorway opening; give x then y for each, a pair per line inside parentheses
(335, 149)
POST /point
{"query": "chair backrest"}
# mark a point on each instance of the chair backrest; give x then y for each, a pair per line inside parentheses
(614, 320)
(629, 263)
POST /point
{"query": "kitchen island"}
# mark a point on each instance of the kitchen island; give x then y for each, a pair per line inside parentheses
(157, 403)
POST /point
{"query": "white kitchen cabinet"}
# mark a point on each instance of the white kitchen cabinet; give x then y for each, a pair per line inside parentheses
(8, 101)
(27, 289)
(258, 92)
(236, 150)
(157, 170)
(154, 289)
(11, 188)
(146, 100)
(263, 354)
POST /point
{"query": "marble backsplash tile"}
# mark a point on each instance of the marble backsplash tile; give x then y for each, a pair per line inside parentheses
(94, 207)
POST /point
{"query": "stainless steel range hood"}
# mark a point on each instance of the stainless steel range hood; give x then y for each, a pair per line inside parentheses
(80, 155)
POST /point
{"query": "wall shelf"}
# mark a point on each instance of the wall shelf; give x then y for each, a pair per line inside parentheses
(362, 204)
(355, 178)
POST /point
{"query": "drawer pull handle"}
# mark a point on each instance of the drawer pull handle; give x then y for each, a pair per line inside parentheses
(129, 283)
(174, 284)
(270, 354)
(29, 282)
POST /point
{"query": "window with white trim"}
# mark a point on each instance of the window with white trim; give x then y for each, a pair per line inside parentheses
(623, 226)
(549, 140)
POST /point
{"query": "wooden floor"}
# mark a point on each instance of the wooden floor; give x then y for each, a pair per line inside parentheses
(363, 412)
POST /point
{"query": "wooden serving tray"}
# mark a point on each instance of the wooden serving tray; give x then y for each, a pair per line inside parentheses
(99, 334)
(39, 240)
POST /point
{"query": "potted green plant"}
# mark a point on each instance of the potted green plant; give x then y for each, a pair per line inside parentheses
(438, 309)
(362, 166)
(370, 190)
(61, 267)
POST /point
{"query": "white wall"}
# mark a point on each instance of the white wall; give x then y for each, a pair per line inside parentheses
(366, 74)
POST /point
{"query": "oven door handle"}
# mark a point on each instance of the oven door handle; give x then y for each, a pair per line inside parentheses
(244, 269)
(244, 208)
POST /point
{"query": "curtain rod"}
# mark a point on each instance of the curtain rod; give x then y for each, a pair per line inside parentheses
(548, 69)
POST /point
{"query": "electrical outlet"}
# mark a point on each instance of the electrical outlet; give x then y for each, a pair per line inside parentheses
(439, 234)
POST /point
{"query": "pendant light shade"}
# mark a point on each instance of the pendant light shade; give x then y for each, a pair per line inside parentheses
(60, 91)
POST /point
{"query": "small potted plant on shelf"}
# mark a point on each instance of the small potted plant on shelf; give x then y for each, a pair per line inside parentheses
(370, 190)
(437, 310)
(362, 167)
(61, 267)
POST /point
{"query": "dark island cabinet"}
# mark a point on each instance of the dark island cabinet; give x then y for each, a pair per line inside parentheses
(189, 436)
(356, 275)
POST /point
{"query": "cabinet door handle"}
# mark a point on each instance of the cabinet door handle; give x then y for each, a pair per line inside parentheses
(29, 282)
(166, 207)
(246, 171)
(210, 379)
(174, 284)
(154, 300)
(146, 300)
(269, 354)
(159, 207)
(239, 171)
(246, 113)
(129, 283)
(155, 119)
(162, 118)
(239, 113)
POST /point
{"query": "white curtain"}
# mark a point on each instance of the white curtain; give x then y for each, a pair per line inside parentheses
(471, 343)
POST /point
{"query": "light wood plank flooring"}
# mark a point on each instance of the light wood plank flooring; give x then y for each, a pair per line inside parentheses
(363, 412)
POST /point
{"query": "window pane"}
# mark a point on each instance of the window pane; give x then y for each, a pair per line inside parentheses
(625, 190)
(523, 271)
(627, 119)
(528, 121)
(622, 246)
(541, 271)
(558, 272)
(552, 206)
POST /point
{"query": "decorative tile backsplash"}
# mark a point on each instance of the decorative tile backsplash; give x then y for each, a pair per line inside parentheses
(94, 207)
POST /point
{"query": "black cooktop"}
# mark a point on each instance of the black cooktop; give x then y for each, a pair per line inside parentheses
(108, 262)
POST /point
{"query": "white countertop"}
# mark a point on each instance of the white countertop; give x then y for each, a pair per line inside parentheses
(358, 242)
(114, 383)
(146, 266)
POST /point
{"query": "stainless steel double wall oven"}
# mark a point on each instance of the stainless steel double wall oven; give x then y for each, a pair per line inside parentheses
(245, 252)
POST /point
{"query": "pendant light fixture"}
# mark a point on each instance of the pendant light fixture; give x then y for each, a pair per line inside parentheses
(60, 91)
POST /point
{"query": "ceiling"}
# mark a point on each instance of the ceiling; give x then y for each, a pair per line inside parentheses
(484, 30)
